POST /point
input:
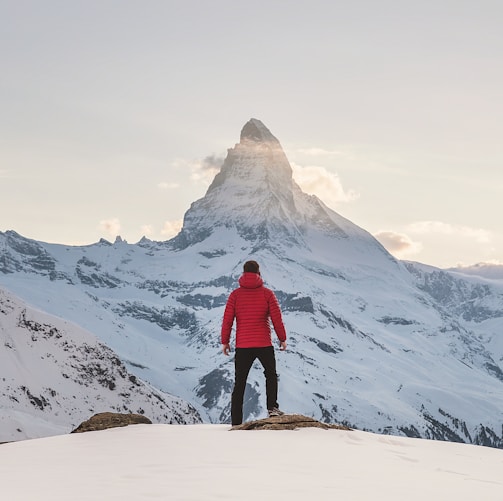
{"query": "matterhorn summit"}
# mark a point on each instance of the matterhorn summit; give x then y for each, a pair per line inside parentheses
(255, 195)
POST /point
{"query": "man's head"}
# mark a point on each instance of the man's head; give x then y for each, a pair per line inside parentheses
(251, 267)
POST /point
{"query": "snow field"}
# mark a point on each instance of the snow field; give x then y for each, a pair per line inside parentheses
(209, 462)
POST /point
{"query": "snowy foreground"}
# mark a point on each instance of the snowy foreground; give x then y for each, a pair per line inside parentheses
(207, 462)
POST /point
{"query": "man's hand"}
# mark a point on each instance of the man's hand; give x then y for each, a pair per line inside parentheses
(282, 345)
(226, 349)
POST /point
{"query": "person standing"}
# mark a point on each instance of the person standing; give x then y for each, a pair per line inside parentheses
(252, 305)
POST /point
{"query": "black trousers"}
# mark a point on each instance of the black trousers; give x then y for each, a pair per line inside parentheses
(243, 361)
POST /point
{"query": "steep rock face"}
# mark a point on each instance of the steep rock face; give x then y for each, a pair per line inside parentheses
(473, 300)
(255, 180)
(374, 343)
(18, 253)
(255, 195)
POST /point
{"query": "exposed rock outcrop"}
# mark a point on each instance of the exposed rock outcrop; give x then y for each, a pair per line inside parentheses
(106, 420)
(287, 422)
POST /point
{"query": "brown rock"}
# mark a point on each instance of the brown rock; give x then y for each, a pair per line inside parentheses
(287, 422)
(105, 420)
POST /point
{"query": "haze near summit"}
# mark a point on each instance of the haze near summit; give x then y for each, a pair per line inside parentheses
(115, 117)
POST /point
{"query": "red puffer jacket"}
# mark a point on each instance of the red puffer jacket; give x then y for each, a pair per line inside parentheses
(252, 305)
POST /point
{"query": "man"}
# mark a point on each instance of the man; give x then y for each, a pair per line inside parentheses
(252, 305)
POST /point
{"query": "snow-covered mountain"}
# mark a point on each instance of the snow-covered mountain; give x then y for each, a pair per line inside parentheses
(55, 375)
(379, 344)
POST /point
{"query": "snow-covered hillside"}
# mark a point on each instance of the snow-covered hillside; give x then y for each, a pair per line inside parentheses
(376, 343)
(208, 462)
(55, 375)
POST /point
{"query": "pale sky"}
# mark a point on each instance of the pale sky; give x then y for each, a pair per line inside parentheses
(114, 114)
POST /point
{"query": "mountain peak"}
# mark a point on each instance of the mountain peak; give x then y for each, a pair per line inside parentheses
(255, 130)
(255, 194)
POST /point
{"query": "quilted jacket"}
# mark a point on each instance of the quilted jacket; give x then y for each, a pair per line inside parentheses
(253, 306)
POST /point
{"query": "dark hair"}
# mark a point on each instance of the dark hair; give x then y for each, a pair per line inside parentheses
(251, 267)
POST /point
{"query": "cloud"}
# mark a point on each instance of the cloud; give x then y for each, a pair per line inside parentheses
(484, 264)
(319, 152)
(212, 162)
(110, 226)
(206, 169)
(171, 228)
(147, 230)
(398, 244)
(492, 262)
(165, 185)
(322, 183)
(437, 227)
(201, 171)
(489, 269)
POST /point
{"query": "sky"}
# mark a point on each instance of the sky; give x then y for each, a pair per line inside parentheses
(209, 462)
(116, 114)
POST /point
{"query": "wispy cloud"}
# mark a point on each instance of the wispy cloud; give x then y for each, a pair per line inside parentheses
(201, 171)
(166, 185)
(324, 184)
(147, 230)
(492, 268)
(110, 226)
(206, 169)
(171, 228)
(480, 235)
(320, 152)
(398, 244)
(490, 263)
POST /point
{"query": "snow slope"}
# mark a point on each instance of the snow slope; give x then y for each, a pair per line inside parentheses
(209, 462)
(54, 375)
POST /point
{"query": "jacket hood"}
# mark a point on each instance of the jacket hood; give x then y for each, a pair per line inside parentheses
(251, 280)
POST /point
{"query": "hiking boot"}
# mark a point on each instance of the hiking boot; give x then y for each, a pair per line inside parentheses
(275, 412)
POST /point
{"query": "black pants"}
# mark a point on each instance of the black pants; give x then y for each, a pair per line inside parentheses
(243, 361)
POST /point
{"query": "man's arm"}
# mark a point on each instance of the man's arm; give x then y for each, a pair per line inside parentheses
(277, 319)
(228, 320)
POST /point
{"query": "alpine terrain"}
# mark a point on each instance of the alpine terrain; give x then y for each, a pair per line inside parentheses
(54, 376)
(375, 343)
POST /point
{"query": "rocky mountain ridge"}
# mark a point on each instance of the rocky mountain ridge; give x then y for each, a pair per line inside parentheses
(54, 375)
